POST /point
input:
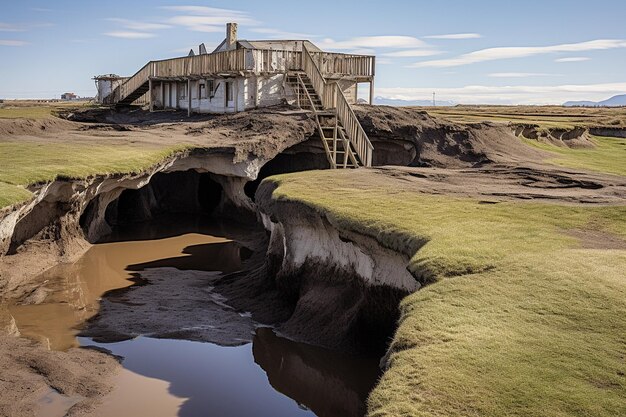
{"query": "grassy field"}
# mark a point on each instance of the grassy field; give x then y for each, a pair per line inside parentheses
(519, 320)
(24, 163)
(609, 155)
(35, 110)
(543, 116)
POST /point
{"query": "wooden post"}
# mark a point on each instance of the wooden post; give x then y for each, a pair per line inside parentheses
(150, 101)
(372, 91)
(356, 92)
(236, 94)
(188, 97)
(163, 95)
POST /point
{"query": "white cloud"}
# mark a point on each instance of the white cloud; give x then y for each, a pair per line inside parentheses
(383, 61)
(11, 27)
(12, 42)
(21, 27)
(520, 74)
(413, 53)
(573, 59)
(522, 94)
(279, 34)
(130, 34)
(207, 19)
(492, 54)
(396, 42)
(207, 11)
(455, 36)
(137, 25)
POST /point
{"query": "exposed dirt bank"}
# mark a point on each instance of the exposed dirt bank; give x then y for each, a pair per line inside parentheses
(414, 138)
(612, 132)
(577, 137)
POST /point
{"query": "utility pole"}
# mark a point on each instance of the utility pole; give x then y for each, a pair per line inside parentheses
(434, 102)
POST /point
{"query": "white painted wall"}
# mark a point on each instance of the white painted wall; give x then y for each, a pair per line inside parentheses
(250, 92)
(106, 86)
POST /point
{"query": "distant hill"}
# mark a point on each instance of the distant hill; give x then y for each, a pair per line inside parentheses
(615, 101)
(383, 101)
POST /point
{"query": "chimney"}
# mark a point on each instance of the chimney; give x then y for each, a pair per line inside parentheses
(231, 35)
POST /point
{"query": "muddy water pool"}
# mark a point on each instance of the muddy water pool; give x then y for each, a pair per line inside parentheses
(154, 280)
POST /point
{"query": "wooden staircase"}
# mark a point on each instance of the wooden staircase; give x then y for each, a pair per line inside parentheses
(343, 137)
(134, 95)
(339, 150)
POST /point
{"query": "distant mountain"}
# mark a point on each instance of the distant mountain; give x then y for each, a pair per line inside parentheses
(383, 101)
(615, 101)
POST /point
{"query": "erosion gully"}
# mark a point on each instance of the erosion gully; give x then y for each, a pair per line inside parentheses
(184, 350)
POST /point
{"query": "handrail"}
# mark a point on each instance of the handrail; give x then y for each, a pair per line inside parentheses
(333, 98)
(356, 134)
(317, 79)
(336, 63)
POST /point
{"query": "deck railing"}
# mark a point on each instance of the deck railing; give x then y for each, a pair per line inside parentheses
(317, 79)
(134, 82)
(354, 130)
(354, 65)
(332, 97)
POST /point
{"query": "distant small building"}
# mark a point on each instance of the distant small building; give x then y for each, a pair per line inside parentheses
(69, 96)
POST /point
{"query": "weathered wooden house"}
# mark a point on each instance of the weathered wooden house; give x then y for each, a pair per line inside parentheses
(243, 74)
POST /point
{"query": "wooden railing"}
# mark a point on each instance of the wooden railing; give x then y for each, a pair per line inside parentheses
(354, 65)
(199, 65)
(134, 82)
(317, 79)
(354, 130)
(272, 61)
(332, 97)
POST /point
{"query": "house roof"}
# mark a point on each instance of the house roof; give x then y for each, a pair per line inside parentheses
(275, 44)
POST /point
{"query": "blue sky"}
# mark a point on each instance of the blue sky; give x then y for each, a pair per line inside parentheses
(506, 52)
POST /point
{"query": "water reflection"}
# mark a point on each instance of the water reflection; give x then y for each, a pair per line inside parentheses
(329, 383)
(203, 379)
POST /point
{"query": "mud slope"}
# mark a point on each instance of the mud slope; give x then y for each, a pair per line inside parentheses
(576, 137)
(408, 136)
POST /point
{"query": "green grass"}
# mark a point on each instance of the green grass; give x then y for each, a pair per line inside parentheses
(519, 319)
(33, 112)
(545, 117)
(12, 194)
(24, 163)
(609, 155)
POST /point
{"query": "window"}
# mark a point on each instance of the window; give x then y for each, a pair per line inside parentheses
(210, 87)
(182, 90)
(201, 90)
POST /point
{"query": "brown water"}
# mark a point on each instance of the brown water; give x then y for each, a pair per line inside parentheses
(272, 376)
